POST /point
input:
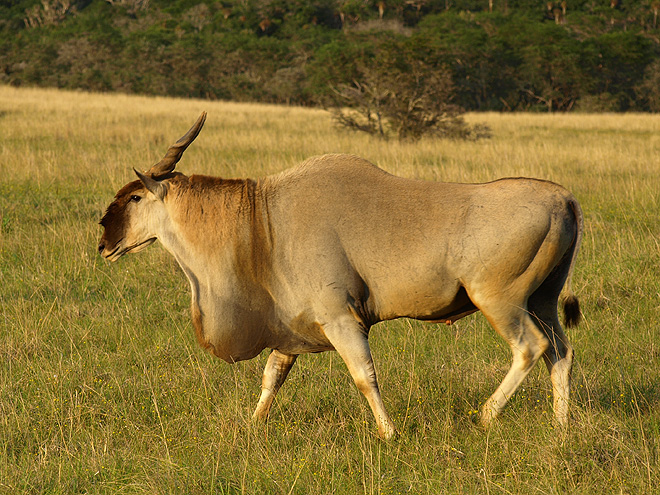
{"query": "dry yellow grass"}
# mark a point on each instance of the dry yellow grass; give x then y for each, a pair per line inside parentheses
(252, 139)
(104, 390)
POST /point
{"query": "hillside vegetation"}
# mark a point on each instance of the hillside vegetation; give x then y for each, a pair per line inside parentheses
(504, 55)
(103, 388)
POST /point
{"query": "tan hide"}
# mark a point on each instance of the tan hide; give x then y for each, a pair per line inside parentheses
(309, 259)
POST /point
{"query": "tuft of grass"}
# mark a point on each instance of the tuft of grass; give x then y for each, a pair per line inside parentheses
(103, 388)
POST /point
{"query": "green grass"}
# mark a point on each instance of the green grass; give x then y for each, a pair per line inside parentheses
(103, 388)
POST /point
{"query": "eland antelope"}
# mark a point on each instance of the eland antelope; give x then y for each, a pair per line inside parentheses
(309, 259)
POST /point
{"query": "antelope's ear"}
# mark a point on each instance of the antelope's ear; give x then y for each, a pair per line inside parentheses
(156, 187)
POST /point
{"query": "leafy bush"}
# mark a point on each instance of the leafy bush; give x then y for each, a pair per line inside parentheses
(402, 97)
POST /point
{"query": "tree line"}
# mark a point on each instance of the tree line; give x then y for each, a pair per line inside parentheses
(503, 55)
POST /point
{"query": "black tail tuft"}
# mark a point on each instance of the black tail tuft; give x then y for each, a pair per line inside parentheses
(572, 313)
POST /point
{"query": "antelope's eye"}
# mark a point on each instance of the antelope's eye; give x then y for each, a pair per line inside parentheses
(136, 198)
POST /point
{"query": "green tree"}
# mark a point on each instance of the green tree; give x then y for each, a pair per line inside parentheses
(549, 75)
(615, 63)
(648, 90)
(479, 59)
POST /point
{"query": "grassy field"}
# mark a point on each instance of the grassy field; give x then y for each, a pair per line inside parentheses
(103, 388)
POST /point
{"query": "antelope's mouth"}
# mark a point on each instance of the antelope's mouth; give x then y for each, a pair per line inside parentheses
(121, 250)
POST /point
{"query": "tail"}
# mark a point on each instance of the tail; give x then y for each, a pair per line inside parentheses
(572, 313)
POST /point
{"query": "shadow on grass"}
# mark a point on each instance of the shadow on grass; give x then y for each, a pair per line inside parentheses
(641, 399)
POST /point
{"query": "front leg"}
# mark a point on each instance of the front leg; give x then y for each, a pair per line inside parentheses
(276, 370)
(349, 338)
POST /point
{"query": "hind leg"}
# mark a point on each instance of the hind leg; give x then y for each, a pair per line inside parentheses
(559, 360)
(527, 345)
(558, 357)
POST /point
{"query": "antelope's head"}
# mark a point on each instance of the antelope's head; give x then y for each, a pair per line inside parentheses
(133, 220)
